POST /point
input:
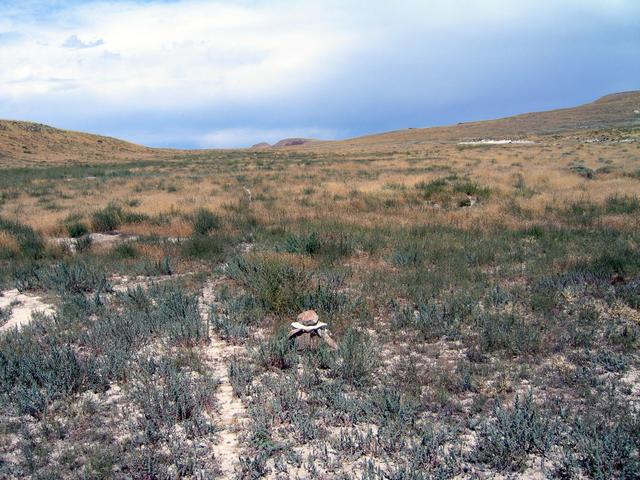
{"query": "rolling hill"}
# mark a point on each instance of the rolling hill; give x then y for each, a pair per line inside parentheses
(618, 110)
(24, 141)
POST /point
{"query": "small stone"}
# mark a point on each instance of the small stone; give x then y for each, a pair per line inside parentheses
(308, 318)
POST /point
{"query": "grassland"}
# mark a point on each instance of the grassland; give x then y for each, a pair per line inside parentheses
(484, 299)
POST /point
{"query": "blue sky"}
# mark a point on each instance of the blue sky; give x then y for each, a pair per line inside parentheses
(233, 73)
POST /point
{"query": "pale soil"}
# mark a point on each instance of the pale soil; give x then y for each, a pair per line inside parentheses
(487, 141)
(21, 312)
(232, 412)
(96, 239)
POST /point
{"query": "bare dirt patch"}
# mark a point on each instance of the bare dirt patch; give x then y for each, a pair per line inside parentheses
(22, 307)
(232, 412)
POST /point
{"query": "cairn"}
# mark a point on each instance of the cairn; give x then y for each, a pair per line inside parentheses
(308, 331)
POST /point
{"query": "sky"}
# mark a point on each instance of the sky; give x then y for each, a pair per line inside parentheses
(199, 74)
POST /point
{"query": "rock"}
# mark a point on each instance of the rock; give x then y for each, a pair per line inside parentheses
(308, 318)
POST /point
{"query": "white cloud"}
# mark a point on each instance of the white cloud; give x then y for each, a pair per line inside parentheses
(241, 71)
(180, 54)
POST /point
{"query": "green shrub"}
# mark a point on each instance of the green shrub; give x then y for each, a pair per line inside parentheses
(229, 328)
(506, 441)
(180, 317)
(205, 221)
(510, 333)
(77, 229)
(112, 216)
(583, 171)
(303, 244)
(241, 377)
(36, 370)
(169, 395)
(357, 357)
(428, 189)
(607, 448)
(30, 243)
(622, 204)
(74, 277)
(278, 286)
(107, 219)
(204, 246)
(277, 351)
(124, 250)
(331, 246)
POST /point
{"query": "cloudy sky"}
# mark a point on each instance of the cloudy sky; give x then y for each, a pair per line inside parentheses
(199, 73)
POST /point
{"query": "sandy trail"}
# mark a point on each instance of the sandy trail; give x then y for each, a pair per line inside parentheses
(232, 412)
(23, 306)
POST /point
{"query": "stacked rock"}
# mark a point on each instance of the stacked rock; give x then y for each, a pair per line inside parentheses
(308, 330)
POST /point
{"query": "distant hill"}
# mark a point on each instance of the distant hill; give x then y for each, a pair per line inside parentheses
(618, 110)
(261, 145)
(22, 142)
(33, 141)
(293, 142)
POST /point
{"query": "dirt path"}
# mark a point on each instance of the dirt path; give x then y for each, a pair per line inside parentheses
(232, 412)
(22, 306)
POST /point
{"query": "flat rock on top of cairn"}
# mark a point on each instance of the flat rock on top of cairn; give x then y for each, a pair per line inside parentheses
(308, 318)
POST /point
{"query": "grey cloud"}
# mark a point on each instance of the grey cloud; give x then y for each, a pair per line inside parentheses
(74, 42)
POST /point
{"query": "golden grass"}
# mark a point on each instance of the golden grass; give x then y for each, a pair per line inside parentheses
(8, 243)
(364, 189)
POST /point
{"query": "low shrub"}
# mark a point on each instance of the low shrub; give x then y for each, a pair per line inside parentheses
(112, 216)
(124, 250)
(277, 286)
(204, 246)
(169, 395)
(205, 221)
(180, 318)
(606, 448)
(29, 242)
(357, 357)
(622, 204)
(76, 229)
(277, 351)
(241, 377)
(510, 333)
(506, 441)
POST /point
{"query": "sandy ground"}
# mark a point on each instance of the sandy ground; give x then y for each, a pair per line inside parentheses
(24, 306)
(488, 141)
(232, 412)
(96, 239)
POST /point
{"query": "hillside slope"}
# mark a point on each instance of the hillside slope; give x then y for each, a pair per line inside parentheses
(617, 110)
(25, 142)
